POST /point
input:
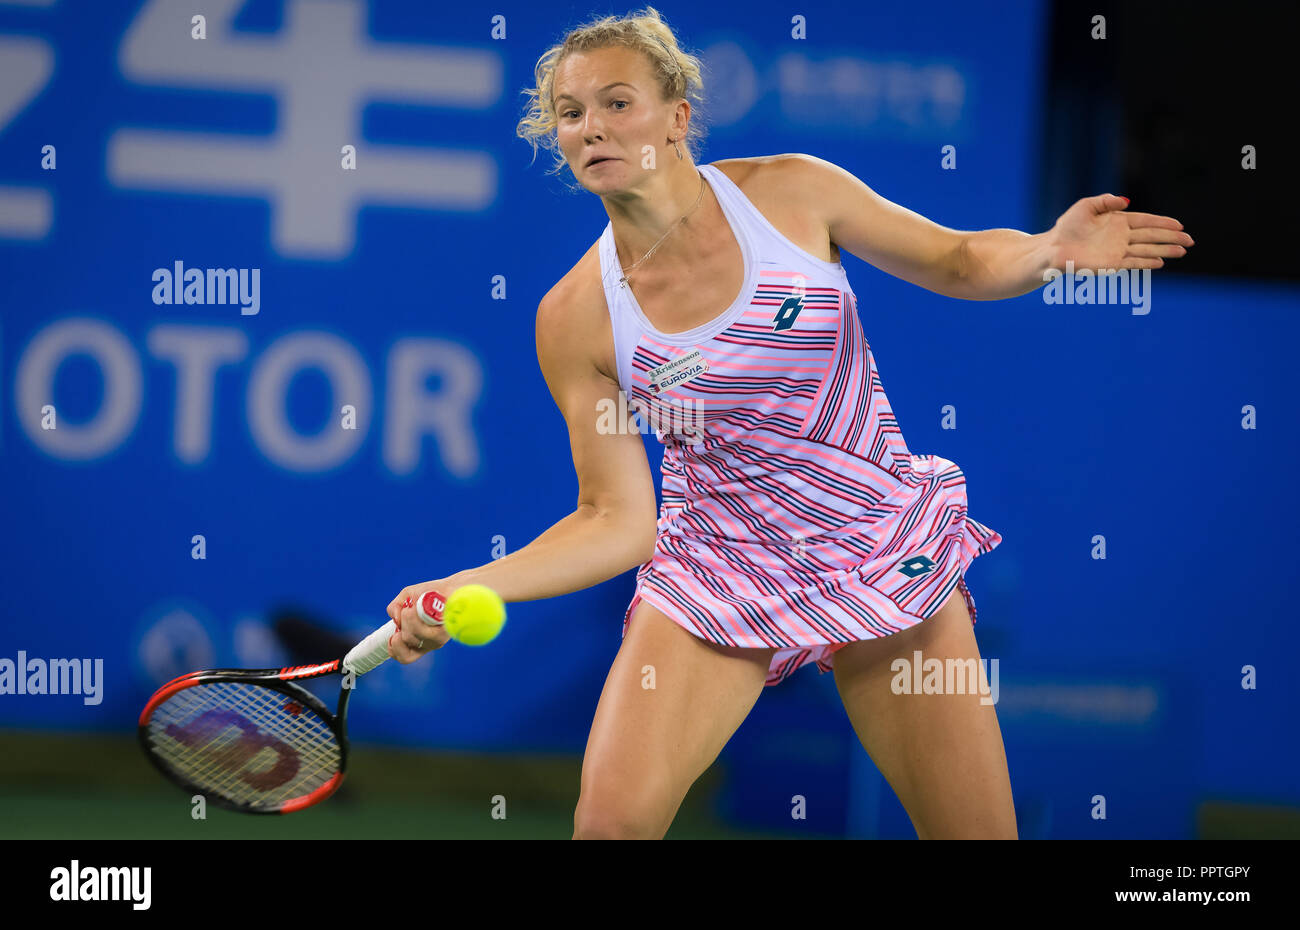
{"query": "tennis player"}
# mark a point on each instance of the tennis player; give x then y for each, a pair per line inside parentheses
(796, 527)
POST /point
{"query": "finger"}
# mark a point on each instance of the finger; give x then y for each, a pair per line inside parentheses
(414, 630)
(412, 612)
(1142, 263)
(1157, 234)
(406, 602)
(1107, 203)
(409, 643)
(1136, 220)
(400, 651)
(1145, 250)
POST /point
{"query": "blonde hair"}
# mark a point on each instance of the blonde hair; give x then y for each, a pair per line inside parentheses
(677, 73)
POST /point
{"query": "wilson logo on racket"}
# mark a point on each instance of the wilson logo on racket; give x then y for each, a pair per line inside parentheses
(208, 735)
(254, 740)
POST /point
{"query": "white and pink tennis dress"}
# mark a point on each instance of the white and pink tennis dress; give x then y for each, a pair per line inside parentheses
(793, 514)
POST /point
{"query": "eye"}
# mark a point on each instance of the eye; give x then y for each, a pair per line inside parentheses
(620, 101)
(566, 113)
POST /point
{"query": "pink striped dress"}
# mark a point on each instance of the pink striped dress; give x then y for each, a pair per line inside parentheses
(793, 514)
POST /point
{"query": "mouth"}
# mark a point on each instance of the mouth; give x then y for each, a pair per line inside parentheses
(597, 161)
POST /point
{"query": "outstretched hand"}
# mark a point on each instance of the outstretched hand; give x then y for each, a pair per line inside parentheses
(1097, 234)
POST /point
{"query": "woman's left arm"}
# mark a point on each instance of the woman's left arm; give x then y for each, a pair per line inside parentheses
(990, 264)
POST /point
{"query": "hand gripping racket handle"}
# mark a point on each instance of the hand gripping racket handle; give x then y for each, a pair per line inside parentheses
(372, 651)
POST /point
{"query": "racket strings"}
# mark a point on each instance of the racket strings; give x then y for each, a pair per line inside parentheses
(250, 744)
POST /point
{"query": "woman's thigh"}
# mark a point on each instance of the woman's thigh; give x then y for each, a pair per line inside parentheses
(941, 753)
(670, 703)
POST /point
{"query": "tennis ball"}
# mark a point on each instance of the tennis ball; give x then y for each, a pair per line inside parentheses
(474, 615)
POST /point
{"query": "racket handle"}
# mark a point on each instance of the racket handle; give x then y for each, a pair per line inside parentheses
(430, 607)
(371, 652)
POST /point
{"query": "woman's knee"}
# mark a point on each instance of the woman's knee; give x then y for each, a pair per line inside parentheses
(616, 815)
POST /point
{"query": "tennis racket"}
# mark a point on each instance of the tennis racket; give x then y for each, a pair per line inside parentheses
(254, 740)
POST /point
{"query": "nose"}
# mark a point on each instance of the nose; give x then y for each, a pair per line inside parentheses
(591, 130)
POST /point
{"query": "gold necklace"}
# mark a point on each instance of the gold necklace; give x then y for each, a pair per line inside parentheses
(622, 282)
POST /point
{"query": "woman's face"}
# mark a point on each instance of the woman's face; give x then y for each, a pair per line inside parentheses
(599, 121)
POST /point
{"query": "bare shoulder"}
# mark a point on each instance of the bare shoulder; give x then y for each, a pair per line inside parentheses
(792, 191)
(573, 317)
(768, 173)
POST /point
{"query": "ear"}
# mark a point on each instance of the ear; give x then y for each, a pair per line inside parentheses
(681, 119)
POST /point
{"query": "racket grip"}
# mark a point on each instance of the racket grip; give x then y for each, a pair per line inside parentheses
(430, 607)
(371, 652)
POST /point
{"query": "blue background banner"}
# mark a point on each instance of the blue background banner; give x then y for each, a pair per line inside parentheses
(407, 290)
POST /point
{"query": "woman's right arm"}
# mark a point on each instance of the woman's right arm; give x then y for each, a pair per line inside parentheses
(612, 528)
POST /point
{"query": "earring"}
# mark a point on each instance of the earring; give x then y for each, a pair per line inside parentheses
(679, 151)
